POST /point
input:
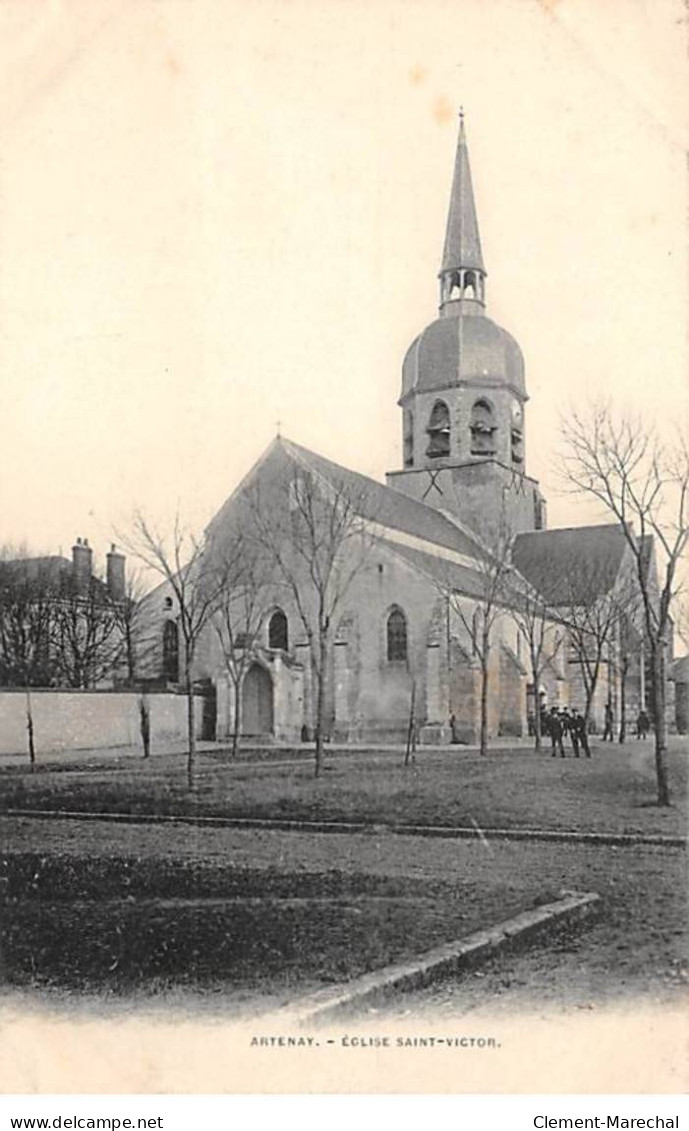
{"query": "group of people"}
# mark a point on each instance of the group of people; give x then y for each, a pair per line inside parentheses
(560, 723)
(643, 724)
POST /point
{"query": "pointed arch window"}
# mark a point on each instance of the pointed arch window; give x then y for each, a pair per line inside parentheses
(438, 431)
(278, 631)
(171, 651)
(483, 429)
(397, 637)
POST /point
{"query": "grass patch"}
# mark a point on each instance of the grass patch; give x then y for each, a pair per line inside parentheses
(612, 792)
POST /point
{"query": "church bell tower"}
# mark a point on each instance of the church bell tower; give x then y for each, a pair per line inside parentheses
(463, 391)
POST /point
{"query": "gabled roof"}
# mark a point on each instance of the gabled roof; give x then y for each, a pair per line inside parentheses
(384, 506)
(571, 566)
(448, 575)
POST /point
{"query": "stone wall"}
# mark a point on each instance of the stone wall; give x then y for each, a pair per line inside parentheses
(76, 720)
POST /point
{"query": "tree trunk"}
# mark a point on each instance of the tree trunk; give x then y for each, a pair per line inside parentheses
(410, 751)
(145, 726)
(320, 704)
(538, 738)
(483, 746)
(590, 681)
(191, 733)
(658, 670)
(623, 699)
(235, 728)
(131, 658)
(29, 730)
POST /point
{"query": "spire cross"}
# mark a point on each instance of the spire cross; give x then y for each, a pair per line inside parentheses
(278, 425)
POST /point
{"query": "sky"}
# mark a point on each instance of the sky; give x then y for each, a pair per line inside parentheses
(221, 215)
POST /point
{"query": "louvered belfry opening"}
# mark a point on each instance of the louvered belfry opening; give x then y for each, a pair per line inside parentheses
(438, 431)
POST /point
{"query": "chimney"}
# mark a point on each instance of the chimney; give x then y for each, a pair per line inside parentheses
(82, 564)
(115, 574)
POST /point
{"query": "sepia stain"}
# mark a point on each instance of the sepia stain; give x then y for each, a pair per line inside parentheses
(443, 111)
(549, 5)
(173, 65)
(418, 75)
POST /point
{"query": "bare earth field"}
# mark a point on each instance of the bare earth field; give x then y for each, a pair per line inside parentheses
(245, 919)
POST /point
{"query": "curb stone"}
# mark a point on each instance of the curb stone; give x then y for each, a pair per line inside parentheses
(460, 832)
(450, 958)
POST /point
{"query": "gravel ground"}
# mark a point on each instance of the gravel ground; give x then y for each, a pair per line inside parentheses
(637, 949)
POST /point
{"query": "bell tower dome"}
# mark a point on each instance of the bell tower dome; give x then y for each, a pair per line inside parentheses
(463, 390)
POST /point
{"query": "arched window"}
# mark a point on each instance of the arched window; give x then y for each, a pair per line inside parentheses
(482, 429)
(470, 288)
(171, 652)
(438, 431)
(517, 431)
(278, 634)
(397, 637)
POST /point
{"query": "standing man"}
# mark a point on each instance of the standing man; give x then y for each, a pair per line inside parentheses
(642, 724)
(579, 728)
(609, 722)
(574, 731)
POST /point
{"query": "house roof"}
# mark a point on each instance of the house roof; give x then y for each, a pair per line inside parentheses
(49, 567)
(573, 565)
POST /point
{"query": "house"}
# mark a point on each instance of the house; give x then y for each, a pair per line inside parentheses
(60, 624)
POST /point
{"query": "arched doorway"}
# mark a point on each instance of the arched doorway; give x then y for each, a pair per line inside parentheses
(257, 702)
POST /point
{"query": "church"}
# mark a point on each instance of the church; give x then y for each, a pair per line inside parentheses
(401, 645)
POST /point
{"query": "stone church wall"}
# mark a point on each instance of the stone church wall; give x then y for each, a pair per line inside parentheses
(379, 691)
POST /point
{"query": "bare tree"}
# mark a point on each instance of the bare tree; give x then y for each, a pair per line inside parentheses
(315, 540)
(27, 603)
(240, 585)
(179, 560)
(27, 599)
(616, 459)
(589, 607)
(533, 614)
(84, 630)
(492, 571)
(130, 618)
(629, 646)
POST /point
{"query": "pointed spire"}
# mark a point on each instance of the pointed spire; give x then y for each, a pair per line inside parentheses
(462, 250)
